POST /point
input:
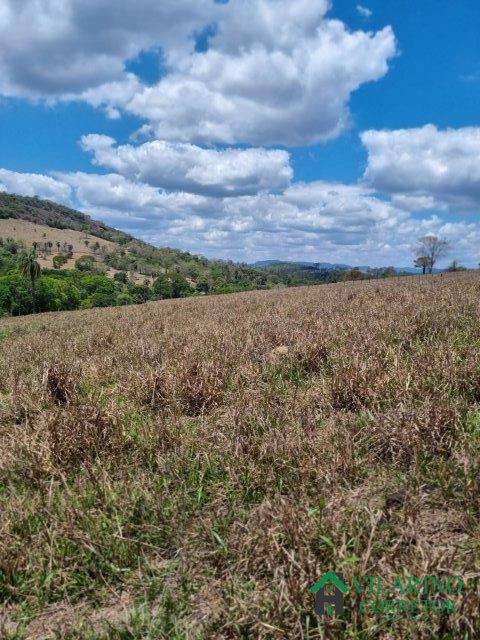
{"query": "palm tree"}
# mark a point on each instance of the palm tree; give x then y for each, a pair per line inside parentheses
(30, 268)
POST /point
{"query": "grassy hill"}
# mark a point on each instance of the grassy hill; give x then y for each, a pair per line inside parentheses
(57, 216)
(82, 243)
(62, 237)
(44, 222)
(60, 233)
(189, 468)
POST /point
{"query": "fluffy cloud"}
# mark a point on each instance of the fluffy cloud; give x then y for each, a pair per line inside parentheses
(426, 168)
(315, 219)
(34, 184)
(274, 71)
(121, 200)
(185, 167)
(318, 221)
(56, 47)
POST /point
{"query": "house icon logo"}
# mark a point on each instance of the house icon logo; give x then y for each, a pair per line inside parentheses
(329, 592)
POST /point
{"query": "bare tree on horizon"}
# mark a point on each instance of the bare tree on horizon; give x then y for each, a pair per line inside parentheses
(429, 250)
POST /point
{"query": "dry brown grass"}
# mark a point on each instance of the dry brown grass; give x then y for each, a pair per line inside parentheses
(203, 461)
(29, 232)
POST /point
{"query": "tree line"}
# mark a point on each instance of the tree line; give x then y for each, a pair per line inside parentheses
(27, 288)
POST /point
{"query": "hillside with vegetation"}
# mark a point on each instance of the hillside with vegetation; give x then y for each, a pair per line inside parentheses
(85, 263)
(189, 468)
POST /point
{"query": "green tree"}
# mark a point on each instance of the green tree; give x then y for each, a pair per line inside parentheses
(31, 269)
(204, 286)
(171, 285)
(162, 287)
(354, 274)
(15, 296)
(97, 291)
(454, 266)
(139, 292)
(11, 246)
(180, 286)
(85, 263)
(422, 262)
(96, 282)
(59, 261)
(57, 294)
(124, 298)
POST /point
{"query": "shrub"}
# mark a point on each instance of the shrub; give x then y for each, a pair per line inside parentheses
(85, 263)
(59, 261)
(121, 276)
(124, 299)
(140, 293)
(162, 287)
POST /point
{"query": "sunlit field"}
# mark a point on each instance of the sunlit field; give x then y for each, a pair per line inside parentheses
(187, 469)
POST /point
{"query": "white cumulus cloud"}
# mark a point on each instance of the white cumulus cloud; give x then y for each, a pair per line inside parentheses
(274, 72)
(317, 221)
(57, 47)
(185, 167)
(426, 166)
(34, 184)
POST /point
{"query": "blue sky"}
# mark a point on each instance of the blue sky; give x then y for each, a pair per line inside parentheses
(250, 129)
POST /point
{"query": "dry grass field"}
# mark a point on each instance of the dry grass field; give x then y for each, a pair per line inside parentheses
(29, 232)
(187, 469)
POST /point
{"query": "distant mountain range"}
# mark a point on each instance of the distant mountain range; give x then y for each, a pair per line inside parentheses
(331, 266)
(315, 265)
